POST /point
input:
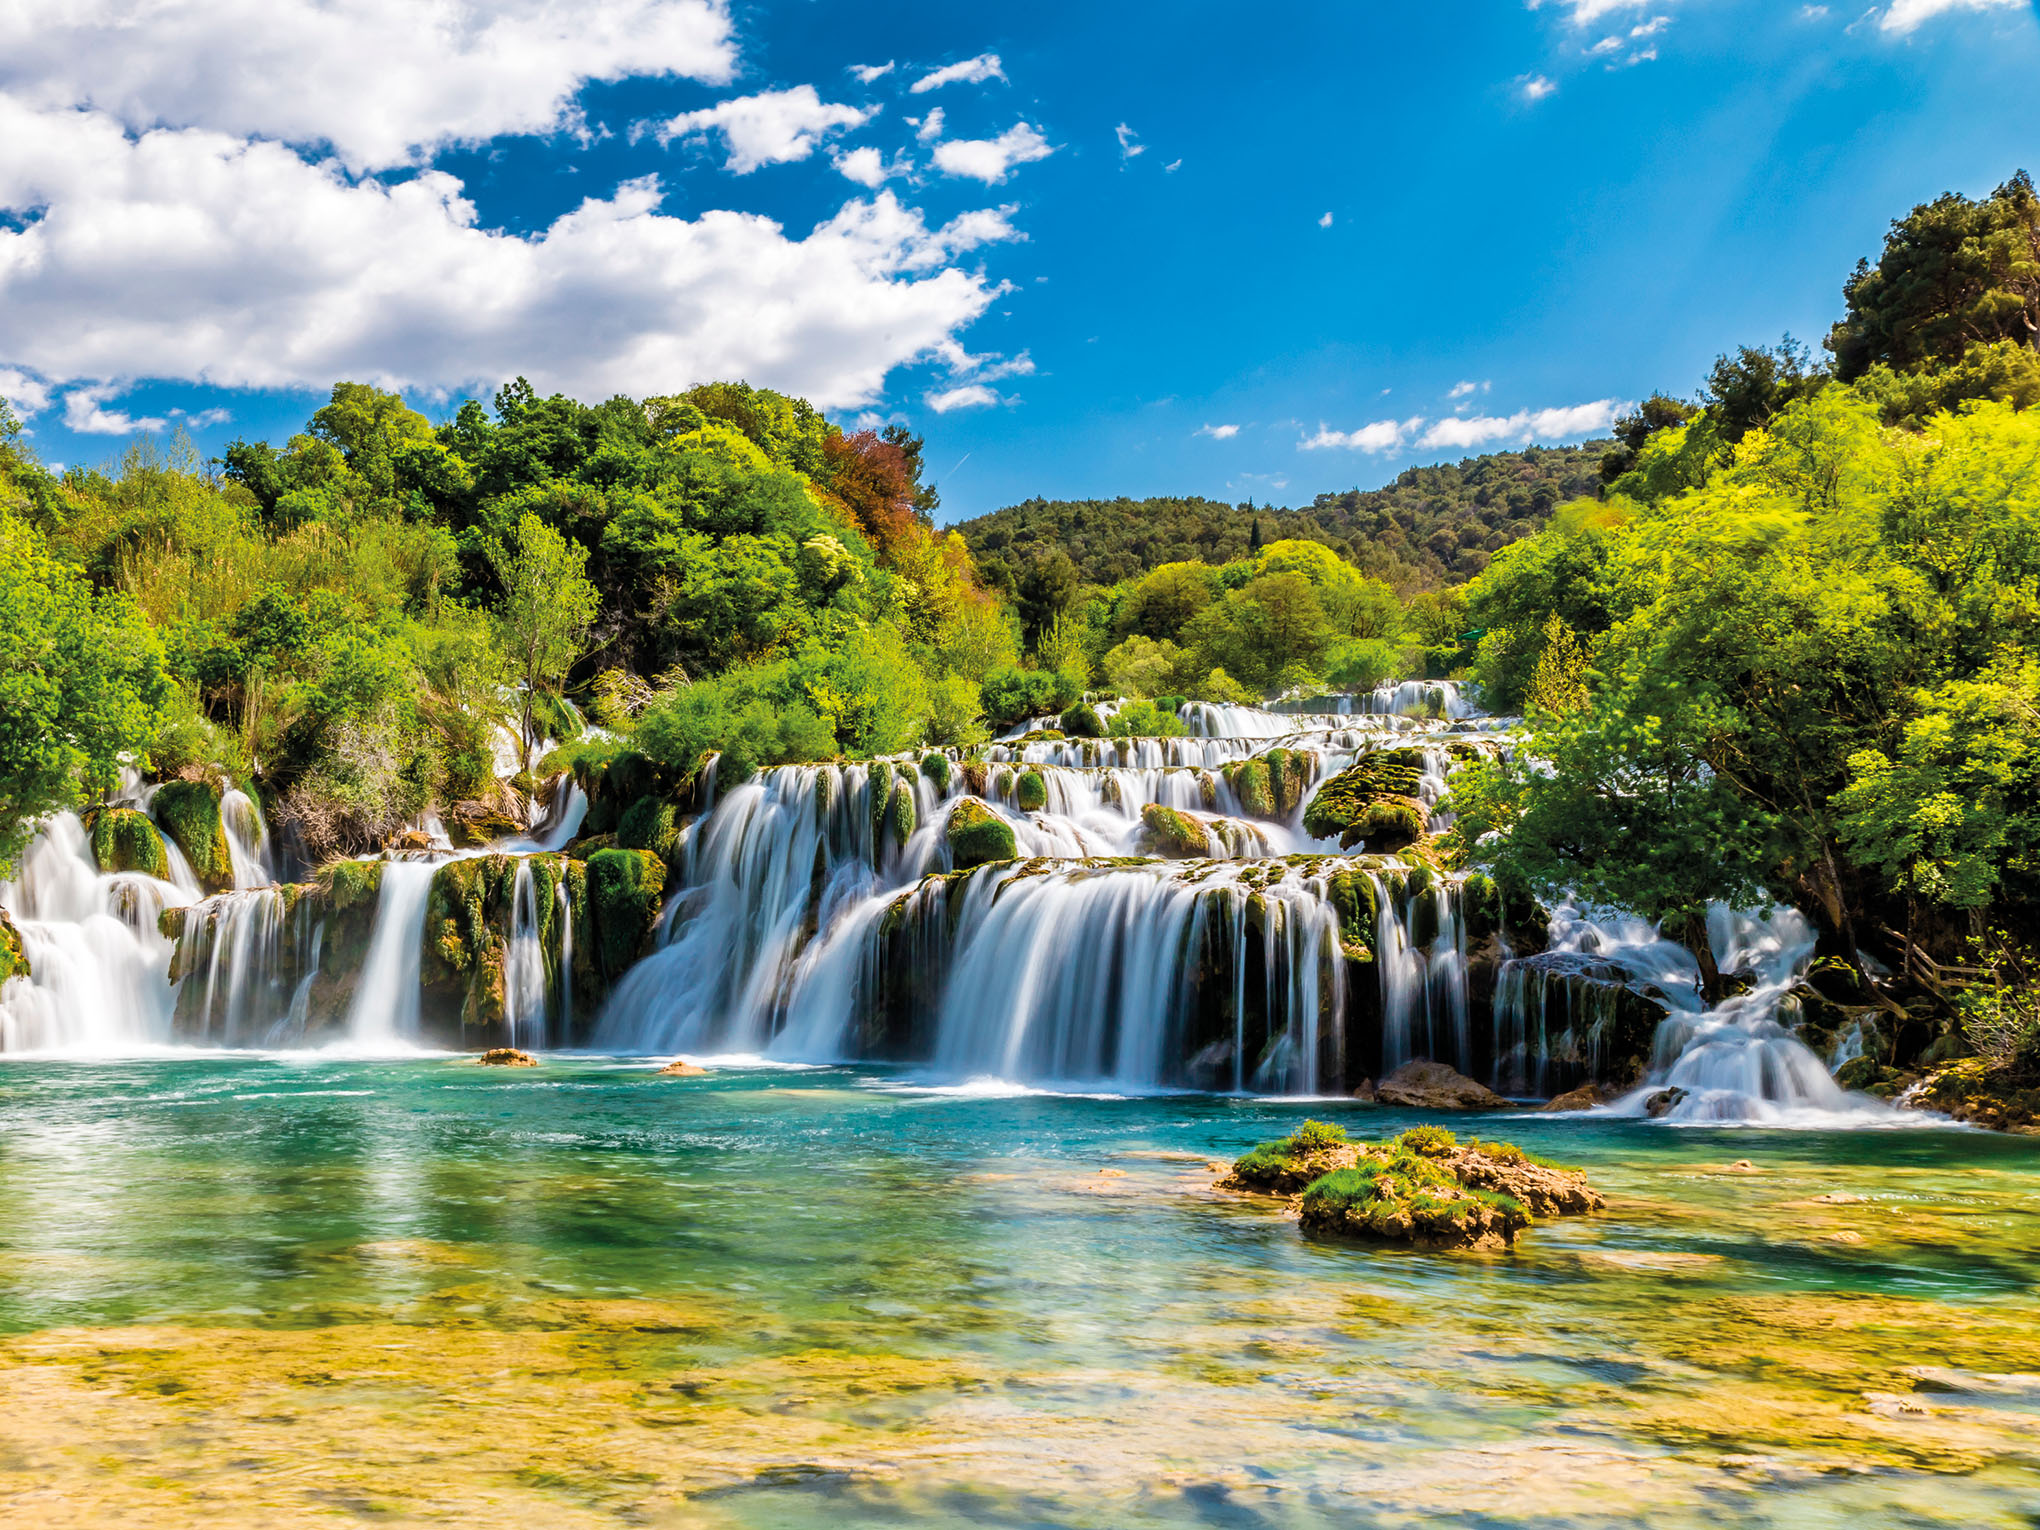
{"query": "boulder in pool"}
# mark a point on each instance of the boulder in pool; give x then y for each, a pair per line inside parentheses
(1426, 1085)
(679, 1067)
(506, 1057)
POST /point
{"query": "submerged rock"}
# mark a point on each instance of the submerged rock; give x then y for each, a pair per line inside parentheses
(506, 1057)
(1664, 1102)
(1424, 1187)
(1425, 1085)
(1586, 1097)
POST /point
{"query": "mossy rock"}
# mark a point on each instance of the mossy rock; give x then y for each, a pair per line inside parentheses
(189, 812)
(936, 768)
(125, 840)
(977, 836)
(1372, 803)
(878, 796)
(1358, 906)
(900, 814)
(1030, 792)
(13, 956)
(1081, 721)
(349, 884)
(647, 824)
(1250, 783)
(1168, 833)
(2002, 1099)
(624, 888)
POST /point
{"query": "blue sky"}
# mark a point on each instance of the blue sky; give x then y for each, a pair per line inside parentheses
(1251, 252)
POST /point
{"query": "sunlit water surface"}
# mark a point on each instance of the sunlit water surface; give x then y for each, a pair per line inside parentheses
(286, 1291)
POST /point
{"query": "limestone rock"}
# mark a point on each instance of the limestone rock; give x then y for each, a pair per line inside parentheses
(681, 1068)
(1975, 1092)
(507, 1057)
(1586, 1097)
(1425, 1085)
(1173, 835)
(1664, 1102)
(977, 836)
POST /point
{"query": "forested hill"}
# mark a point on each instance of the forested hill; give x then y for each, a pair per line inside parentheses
(1431, 526)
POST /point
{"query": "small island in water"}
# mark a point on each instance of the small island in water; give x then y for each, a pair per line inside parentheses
(591, 963)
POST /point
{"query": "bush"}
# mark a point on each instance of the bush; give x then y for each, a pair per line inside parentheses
(1315, 1135)
(1145, 719)
(1013, 695)
(1081, 721)
(1030, 792)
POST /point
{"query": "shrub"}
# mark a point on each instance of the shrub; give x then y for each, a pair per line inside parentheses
(1315, 1135)
(1030, 792)
(977, 836)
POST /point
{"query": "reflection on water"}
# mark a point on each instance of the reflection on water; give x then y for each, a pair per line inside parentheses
(284, 1290)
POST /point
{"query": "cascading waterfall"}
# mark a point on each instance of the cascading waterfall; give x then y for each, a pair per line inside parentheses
(385, 1008)
(524, 975)
(237, 989)
(98, 965)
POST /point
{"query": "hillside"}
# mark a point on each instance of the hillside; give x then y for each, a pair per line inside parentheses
(1431, 526)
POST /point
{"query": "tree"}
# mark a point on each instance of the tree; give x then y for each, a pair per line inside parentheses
(81, 686)
(1954, 273)
(546, 610)
(1656, 413)
(1748, 389)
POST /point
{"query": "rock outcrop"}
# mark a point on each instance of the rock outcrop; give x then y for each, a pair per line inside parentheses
(506, 1057)
(1373, 803)
(1973, 1091)
(977, 836)
(1424, 1085)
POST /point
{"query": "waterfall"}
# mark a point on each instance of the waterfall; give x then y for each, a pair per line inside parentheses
(524, 977)
(98, 964)
(247, 840)
(246, 994)
(385, 1007)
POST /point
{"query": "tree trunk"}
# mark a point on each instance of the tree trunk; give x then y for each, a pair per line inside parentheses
(1693, 936)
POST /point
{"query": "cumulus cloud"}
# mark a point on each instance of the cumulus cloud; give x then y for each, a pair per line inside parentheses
(1466, 389)
(1906, 16)
(383, 82)
(85, 414)
(991, 160)
(969, 396)
(1218, 432)
(28, 395)
(772, 128)
(1535, 87)
(204, 257)
(1325, 221)
(1460, 432)
(970, 72)
(868, 167)
(929, 128)
(1129, 142)
(866, 74)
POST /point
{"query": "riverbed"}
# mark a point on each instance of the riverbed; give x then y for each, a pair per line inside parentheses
(299, 1289)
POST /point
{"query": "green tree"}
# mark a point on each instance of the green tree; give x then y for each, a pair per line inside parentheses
(1954, 272)
(543, 619)
(81, 686)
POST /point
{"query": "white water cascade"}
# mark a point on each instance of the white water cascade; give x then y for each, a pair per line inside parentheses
(524, 976)
(385, 1008)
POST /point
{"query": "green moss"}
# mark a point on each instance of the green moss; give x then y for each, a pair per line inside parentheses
(647, 824)
(1081, 721)
(349, 884)
(936, 768)
(879, 796)
(900, 814)
(1251, 784)
(1168, 833)
(13, 958)
(125, 840)
(1030, 792)
(977, 836)
(623, 897)
(1373, 802)
(189, 812)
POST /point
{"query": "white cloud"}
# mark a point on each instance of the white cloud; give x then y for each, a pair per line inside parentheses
(205, 418)
(865, 74)
(1650, 28)
(382, 81)
(1467, 389)
(868, 167)
(1535, 87)
(28, 395)
(991, 159)
(972, 70)
(1325, 221)
(1173, 166)
(1906, 16)
(772, 128)
(930, 128)
(1461, 432)
(969, 396)
(1129, 144)
(202, 257)
(1381, 436)
(1218, 432)
(1584, 13)
(84, 414)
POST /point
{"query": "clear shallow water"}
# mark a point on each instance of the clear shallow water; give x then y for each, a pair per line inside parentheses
(293, 1290)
